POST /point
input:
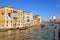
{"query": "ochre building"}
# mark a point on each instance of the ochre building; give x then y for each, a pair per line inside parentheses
(13, 18)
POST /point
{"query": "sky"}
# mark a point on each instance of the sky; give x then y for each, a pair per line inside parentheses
(45, 8)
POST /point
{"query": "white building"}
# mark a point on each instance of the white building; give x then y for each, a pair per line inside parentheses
(28, 18)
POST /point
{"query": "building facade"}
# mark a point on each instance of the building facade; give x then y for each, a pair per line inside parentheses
(55, 19)
(12, 18)
(37, 20)
(28, 18)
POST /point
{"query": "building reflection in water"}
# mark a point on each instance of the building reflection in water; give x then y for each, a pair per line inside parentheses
(49, 32)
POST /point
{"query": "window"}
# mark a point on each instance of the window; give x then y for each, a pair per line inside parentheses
(14, 11)
(7, 21)
(9, 14)
(28, 20)
(27, 16)
(2, 13)
(11, 21)
(7, 25)
(14, 17)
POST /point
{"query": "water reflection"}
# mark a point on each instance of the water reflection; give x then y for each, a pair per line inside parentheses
(33, 33)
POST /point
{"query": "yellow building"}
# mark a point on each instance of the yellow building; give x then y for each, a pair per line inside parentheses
(16, 18)
(11, 17)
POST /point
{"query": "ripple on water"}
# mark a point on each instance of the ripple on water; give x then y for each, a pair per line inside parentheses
(33, 33)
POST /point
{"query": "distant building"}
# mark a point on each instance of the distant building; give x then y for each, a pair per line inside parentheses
(37, 20)
(55, 19)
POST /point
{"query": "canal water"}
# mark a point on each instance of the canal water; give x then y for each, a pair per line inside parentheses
(32, 33)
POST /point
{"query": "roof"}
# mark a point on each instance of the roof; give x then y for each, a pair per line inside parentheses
(11, 7)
